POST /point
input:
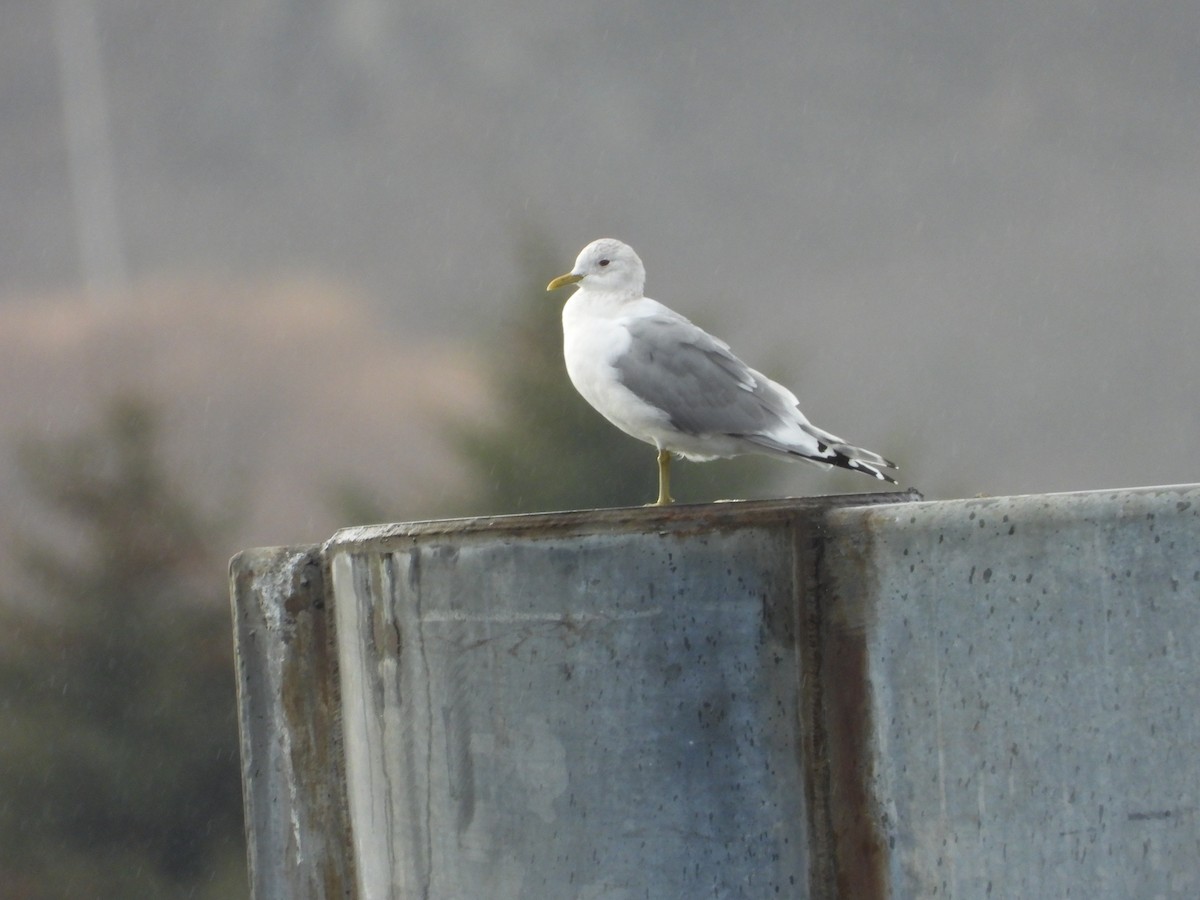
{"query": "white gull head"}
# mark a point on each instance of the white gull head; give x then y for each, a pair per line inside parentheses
(608, 266)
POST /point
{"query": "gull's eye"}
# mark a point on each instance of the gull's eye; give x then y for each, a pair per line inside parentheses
(603, 263)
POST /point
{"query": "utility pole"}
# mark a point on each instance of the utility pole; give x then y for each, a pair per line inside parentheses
(89, 148)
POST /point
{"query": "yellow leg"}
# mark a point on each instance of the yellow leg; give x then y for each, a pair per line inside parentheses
(664, 479)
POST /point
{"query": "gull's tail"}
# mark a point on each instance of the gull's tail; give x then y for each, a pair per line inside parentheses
(833, 450)
(848, 457)
(829, 450)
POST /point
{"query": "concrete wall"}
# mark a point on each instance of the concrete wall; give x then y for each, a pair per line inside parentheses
(837, 697)
(1025, 701)
(289, 704)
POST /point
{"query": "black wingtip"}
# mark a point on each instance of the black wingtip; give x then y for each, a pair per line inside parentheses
(855, 465)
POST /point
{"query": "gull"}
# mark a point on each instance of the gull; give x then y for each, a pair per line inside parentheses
(665, 381)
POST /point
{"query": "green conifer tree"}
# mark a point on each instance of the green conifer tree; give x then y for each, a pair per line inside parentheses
(119, 766)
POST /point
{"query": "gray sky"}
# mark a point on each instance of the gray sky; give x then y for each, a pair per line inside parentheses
(965, 233)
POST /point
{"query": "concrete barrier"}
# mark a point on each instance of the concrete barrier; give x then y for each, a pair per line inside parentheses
(289, 704)
(1016, 687)
(838, 697)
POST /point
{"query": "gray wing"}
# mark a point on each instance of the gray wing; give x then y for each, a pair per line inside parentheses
(697, 381)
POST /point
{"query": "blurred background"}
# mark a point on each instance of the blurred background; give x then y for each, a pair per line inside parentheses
(271, 268)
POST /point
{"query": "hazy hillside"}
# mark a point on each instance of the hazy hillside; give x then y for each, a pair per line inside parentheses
(275, 395)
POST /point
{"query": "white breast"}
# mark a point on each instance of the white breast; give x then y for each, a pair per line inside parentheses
(593, 337)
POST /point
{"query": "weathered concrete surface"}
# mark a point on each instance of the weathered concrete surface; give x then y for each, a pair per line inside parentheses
(612, 704)
(1013, 694)
(297, 827)
(820, 698)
